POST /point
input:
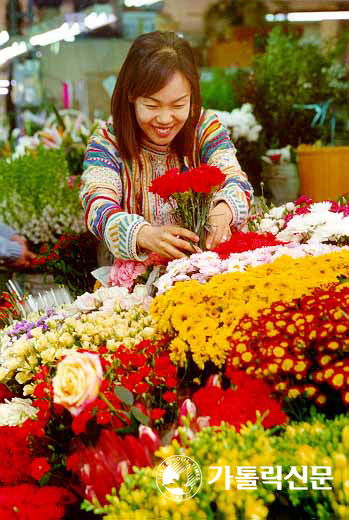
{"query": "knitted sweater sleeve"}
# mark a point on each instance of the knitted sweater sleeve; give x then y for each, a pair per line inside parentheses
(101, 195)
(216, 149)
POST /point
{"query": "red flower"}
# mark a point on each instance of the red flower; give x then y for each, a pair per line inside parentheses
(39, 467)
(171, 382)
(15, 457)
(80, 421)
(157, 413)
(5, 393)
(141, 388)
(239, 406)
(26, 501)
(106, 464)
(240, 242)
(41, 390)
(170, 397)
(200, 180)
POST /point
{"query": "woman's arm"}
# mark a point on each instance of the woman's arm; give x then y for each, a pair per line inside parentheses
(101, 196)
(216, 149)
(233, 201)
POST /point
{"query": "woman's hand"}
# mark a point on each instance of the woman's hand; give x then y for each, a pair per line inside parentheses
(219, 220)
(169, 241)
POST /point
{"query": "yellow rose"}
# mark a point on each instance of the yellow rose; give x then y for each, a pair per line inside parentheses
(77, 381)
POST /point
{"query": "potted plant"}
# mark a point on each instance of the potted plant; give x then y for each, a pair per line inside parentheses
(281, 174)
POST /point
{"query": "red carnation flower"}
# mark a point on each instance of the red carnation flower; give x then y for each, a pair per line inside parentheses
(157, 413)
(39, 467)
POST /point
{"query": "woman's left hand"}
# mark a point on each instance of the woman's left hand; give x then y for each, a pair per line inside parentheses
(219, 220)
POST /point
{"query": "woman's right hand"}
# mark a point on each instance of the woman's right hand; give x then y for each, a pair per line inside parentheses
(169, 241)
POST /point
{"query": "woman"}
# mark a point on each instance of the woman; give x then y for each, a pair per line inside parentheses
(158, 124)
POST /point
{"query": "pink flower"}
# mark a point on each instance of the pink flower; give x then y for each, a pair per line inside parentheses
(187, 409)
(71, 181)
(214, 380)
(124, 272)
(149, 438)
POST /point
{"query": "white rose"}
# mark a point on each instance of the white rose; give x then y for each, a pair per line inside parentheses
(77, 381)
(84, 303)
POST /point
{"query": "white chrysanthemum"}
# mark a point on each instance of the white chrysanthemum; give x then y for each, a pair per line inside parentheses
(266, 225)
(15, 411)
(320, 207)
(241, 121)
(277, 212)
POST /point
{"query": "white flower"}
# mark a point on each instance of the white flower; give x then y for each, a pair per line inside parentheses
(277, 212)
(85, 303)
(241, 121)
(265, 225)
(320, 207)
(15, 411)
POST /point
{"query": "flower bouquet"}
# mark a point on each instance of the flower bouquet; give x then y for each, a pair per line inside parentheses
(190, 195)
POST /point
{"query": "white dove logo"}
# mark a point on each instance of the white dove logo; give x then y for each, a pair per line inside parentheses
(179, 477)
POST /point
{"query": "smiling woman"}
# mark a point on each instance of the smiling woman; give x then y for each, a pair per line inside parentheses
(158, 124)
(161, 117)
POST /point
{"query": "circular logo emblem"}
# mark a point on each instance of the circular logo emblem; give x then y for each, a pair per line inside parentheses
(179, 477)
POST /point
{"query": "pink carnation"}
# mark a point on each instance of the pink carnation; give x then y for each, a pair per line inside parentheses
(124, 272)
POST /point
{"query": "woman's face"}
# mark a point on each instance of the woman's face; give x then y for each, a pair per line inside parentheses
(162, 115)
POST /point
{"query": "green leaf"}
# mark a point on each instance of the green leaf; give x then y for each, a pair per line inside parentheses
(143, 419)
(123, 394)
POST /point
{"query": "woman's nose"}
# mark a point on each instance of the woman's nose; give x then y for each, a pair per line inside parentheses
(164, 117)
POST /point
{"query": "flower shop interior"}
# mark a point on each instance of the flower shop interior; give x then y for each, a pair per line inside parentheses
(117, 401)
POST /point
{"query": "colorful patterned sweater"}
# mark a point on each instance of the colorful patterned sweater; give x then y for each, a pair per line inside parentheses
(115, 194)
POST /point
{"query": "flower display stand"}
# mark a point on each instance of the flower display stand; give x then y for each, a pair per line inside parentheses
(35, 283)
(323, 171)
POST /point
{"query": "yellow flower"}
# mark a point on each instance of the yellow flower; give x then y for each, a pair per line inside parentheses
(225, 299)
(77, 381)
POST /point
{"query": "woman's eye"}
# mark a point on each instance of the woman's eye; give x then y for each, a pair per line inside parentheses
(150, 106)
(179, 106)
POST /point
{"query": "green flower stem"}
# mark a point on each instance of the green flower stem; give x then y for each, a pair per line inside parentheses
(106, 400)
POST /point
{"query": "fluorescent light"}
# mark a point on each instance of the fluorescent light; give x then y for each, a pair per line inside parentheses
(4, 83)
(139, 3)
(311, 16)
(3, 91)
(95, 20)
(11, 51)
(4, 37)
(56, 35)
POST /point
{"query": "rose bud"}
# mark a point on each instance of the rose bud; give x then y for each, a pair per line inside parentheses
(214, 380)
(149, 438)
(187, 409)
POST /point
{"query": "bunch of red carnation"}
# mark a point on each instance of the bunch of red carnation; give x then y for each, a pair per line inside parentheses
(190, 194)
(198, 180)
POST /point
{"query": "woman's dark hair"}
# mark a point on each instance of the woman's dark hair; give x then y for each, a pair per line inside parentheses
(150, 63)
